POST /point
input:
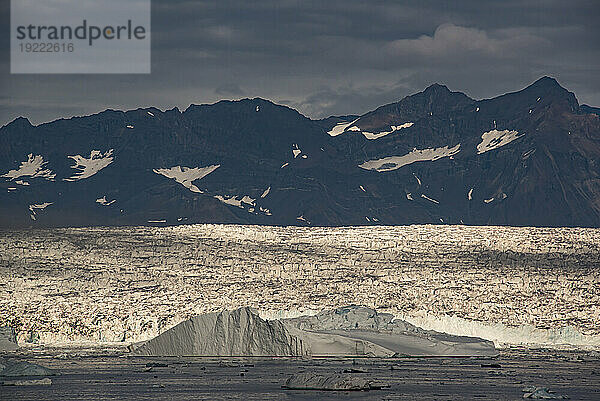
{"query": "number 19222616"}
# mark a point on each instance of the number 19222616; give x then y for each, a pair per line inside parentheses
(48, 47)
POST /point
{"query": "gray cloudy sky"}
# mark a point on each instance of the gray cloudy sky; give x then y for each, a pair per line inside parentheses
(328, 57)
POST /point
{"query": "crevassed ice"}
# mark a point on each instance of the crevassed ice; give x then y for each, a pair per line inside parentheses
(395, 162)
(186, 175)
(370, 135)
(89, 166)
(340, 128)
(503, 335)
(494, 139)
(32, 167)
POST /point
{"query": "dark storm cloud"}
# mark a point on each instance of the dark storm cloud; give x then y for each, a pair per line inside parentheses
(335, 57)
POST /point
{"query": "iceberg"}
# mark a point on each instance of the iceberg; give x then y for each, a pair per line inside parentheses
(348, 331)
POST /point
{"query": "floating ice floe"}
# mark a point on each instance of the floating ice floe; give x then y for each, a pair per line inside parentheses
(362, 188)
(88, 167)
(395, 162)
(296, 150)
(21, 182)
(371, 136)
(489, 200)
(494, 139)
(186, 175)
(429, 199)
(266, 192)
(157, 221)
(33, 167)
(130, 126)
(409, 196)
(284, 165)
(477, 109)
(37, 207)
(150, 114)
(340, 128)
(257, 108)
(470, 195)
(105, 202)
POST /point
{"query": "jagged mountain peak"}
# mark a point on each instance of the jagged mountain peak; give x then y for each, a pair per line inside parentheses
(19, 123)
(525, 158)
(436, 88)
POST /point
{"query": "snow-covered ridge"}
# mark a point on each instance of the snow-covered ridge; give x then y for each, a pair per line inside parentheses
(340, 128)
(371, 136)
(186, 175)
(494, 139)
(395, 162)
(89, 166)
(33, 167)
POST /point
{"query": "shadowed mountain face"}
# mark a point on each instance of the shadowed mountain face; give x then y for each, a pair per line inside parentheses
(530, 157)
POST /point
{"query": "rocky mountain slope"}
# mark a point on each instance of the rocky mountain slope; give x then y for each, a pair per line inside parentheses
(530, 157)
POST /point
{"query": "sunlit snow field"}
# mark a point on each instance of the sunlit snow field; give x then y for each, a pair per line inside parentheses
(537, 286)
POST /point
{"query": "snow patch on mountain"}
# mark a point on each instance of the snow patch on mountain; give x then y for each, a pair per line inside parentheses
(105, 202)
(302, 218)
(395, 162)
(37, 207)
(340, 128)
(266, 192)
(430, 199)
(88, 167)
(494, 139)
(243, 202)
(186, 175)
(33, 167)
(371, 136)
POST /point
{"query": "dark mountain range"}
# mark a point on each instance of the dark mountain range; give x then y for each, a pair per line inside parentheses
(530, 157)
